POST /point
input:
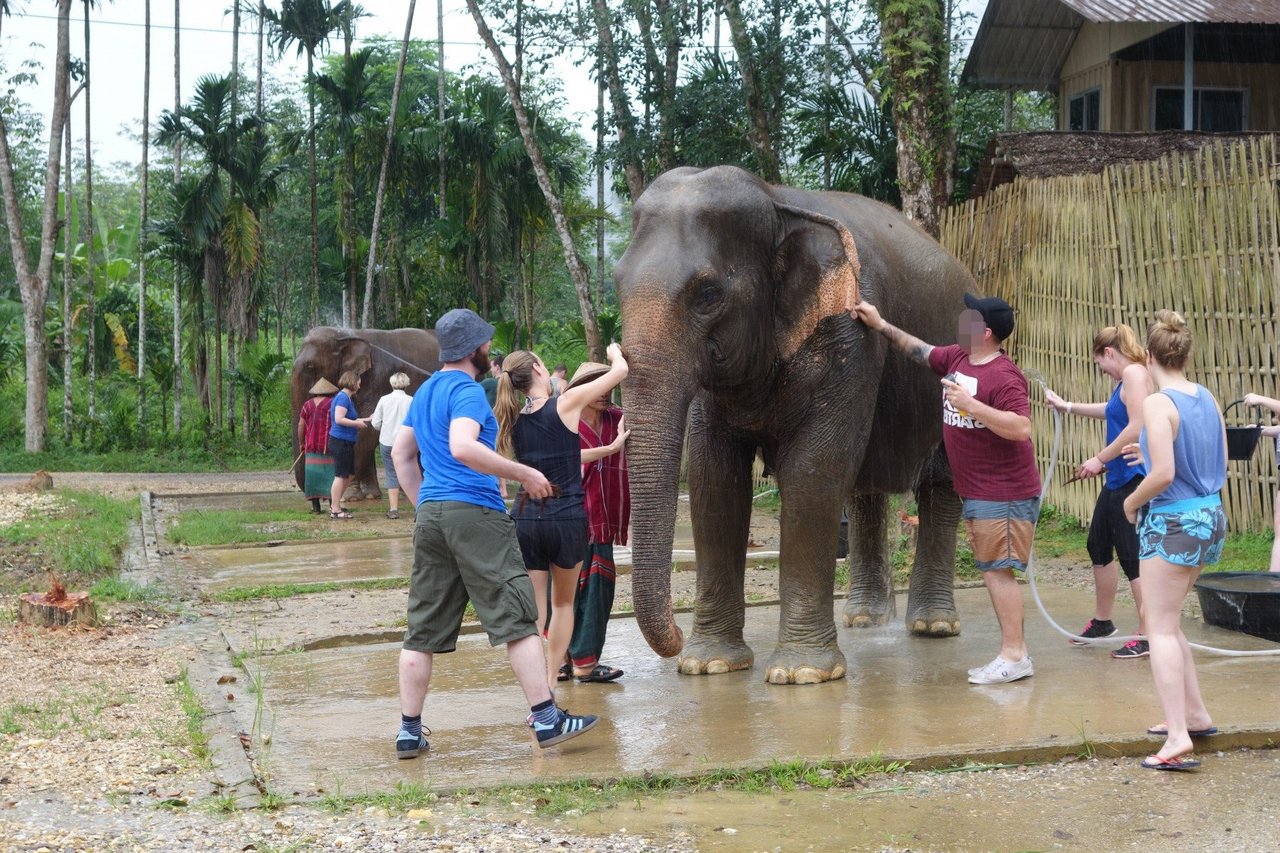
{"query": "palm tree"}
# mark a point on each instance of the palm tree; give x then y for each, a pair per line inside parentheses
(177, 177)
(347, 94)
(88, 224)
(142, 255)
(308, 25)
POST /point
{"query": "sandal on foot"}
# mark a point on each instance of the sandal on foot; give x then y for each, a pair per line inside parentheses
(1162, 729)
(1178, 762)
(600, 674)
(565, 673)
(340, 514)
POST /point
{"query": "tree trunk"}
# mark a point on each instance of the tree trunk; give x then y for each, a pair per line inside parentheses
(91, 312)
(669, 20)
(257, 103)
(315, 215)
(68, 288)
(235, 60)
(581, 279)
(34, 285)
(632, 163)
(440, 110)
(599, 178)
(177, 175)
(366, 315)
(142, 253)
(348, 235)
(916, 56)
(759, 133)
(36, 608)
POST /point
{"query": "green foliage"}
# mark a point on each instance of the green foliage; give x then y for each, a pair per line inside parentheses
(289, 590)
(81, 541)
(237, 526)
(194, 714)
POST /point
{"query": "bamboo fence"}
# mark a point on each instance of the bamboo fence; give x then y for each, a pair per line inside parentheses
(1198, 232)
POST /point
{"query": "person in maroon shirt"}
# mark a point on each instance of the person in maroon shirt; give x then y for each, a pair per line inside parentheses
(986, 418)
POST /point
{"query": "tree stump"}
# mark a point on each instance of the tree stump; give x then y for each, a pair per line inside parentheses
(56, 607)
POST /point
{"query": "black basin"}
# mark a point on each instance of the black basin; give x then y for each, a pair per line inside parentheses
(1242, 601)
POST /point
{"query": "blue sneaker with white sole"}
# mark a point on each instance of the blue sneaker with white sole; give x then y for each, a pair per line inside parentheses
(408, 746)
(567, 726)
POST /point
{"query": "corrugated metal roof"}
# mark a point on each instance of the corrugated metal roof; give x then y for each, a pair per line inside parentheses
(1179, 11)
(1021, 44)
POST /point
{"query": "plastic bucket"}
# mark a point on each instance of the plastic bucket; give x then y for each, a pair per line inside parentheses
(1241, 440)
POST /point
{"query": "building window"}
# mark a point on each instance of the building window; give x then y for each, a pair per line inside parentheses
(1215, 110)
(1086, 110)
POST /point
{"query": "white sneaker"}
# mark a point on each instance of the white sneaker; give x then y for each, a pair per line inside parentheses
(1000, 671)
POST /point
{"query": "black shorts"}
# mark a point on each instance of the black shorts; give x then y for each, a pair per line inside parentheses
(344, 456)
(1110, 533)
(547, 542)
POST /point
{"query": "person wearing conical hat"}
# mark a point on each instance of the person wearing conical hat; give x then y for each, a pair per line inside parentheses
(313, 440)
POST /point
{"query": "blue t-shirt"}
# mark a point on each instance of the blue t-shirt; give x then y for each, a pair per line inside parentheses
(446, 396)
(346, 433)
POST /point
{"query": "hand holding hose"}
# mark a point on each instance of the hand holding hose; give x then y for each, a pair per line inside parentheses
(1092, 467)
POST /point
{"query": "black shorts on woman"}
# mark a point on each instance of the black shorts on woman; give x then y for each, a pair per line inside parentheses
(1110, 532)
(552, 531)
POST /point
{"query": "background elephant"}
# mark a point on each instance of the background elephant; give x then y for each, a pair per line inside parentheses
(735, 299)
(375, 354)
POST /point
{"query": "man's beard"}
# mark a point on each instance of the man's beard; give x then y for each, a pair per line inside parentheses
(480, 361)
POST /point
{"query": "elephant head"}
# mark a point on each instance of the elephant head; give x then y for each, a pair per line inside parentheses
(724, 281)
(326, 352)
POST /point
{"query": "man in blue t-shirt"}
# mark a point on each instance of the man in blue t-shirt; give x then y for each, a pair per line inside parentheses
(464, 542)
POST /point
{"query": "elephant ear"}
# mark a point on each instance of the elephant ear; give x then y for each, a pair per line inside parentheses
(357, 355)
(817, 270)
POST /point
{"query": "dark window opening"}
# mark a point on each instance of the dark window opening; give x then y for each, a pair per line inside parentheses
(1213, 110)
(1086, 111)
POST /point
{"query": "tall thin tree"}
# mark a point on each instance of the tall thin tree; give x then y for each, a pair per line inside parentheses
(440, 111)
(370, 263)
(33, 283)
(758, 130)
(68, 287)
(91, 310)
(177, 177)
(142, 254)
(577, 270)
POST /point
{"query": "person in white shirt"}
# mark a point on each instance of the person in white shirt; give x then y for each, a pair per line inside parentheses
(387, 418)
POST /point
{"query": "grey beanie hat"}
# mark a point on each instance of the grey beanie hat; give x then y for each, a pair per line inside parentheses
(460, 333)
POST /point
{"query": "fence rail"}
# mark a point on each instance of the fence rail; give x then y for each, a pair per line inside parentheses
(1198, 232)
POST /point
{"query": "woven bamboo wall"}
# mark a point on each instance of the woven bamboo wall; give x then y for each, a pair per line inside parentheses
(1197, 232)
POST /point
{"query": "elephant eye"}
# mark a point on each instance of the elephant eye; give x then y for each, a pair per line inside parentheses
(708, 295)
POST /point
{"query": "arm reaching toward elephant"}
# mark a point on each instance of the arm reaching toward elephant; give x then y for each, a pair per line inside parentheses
(464, 444)
(907, 344)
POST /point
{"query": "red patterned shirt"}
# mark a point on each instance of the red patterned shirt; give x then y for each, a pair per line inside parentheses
(606, 493)
(315, 420)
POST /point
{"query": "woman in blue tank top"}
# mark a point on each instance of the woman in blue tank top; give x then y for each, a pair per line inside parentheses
(1183, 527)
(542, 431)
(1118, 354)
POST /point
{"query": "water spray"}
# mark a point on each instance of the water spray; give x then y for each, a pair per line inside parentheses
(1031, 577)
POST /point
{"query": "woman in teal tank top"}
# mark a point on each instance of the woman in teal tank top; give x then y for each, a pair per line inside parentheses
(1112, 537)
(1182, 529)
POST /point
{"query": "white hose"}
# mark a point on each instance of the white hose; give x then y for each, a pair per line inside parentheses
(1031, 577)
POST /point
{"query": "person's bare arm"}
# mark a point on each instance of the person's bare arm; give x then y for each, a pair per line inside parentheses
(1088, 410)
(591, 454)
(905, 343)
(1008, 425)
(404, 455)
(1158, 414)
(465, 446)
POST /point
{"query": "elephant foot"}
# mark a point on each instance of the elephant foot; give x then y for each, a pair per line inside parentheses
(934, 623)
(805, 665)
(709, 656)
(866, 615)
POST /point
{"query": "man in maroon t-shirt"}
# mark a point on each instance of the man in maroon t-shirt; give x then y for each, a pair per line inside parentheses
(986, 428)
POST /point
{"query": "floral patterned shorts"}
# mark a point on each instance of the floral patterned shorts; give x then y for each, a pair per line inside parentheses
(1189, 532)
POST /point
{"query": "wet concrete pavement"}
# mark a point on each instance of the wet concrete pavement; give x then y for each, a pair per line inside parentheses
(332, 713)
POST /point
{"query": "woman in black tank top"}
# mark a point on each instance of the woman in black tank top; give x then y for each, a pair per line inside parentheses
(541, 430)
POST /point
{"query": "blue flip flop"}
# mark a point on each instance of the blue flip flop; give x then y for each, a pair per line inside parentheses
(1155, 762)
(1157, 730)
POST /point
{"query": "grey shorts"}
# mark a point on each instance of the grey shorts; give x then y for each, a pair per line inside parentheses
(463, 552)
(389, 464)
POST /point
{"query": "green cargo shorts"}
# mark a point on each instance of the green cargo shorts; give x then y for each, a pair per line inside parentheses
(463, 552)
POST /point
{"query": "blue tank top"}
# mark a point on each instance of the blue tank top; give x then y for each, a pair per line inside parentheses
(1199, 451)
(541, 440)
(1119, 471)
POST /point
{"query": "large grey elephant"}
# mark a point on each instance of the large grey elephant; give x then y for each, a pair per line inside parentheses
(375, 354)
(735, 298)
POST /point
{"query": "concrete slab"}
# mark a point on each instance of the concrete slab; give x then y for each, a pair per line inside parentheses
(332, 713)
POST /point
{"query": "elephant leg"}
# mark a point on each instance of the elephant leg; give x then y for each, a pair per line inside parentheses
(720, 504)
(870, 601)
(807, 651)
(931, 604)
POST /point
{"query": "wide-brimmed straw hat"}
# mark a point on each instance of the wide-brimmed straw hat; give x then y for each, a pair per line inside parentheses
(587, 371)
(323, 386)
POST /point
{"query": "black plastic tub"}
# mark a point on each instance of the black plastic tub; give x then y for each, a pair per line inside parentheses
(1242, 601)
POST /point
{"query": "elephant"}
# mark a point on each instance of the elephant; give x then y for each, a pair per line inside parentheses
(375, 354)
(735, 298)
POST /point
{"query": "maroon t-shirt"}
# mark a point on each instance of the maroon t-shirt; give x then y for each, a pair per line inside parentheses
(985, 466)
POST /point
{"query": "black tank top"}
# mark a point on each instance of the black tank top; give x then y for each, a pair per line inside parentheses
(542, 441)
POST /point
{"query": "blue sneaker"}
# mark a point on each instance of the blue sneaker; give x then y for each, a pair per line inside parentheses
(407, 746)
(567, 726)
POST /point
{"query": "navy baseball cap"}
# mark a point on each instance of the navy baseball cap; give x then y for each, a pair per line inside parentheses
(996, 313)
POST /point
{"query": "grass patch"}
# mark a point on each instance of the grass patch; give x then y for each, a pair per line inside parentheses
(68, 710)
(115, 590)
(1245, 552)
(289, 590)
(237, 526)
(82, 542)
(193, 711)
(171, 459)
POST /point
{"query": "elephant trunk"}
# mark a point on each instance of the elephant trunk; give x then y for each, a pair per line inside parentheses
(656, 414)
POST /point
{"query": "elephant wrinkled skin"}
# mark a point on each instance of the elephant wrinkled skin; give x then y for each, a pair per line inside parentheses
(735, 298)
(375, 354)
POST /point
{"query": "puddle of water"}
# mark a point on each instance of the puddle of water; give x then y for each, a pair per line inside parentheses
(310, 562)
(274, 501)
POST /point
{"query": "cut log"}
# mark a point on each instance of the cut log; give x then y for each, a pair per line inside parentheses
(75, 608)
